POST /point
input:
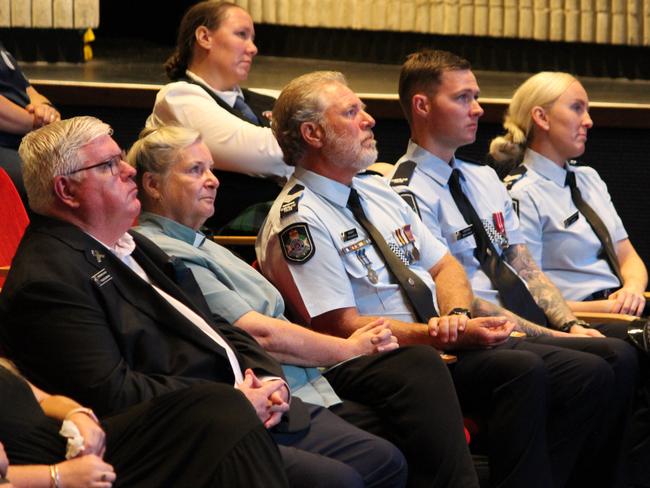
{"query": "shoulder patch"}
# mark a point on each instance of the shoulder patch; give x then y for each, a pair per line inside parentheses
(410, 199)
(403, 174)
(297, 244)
(290, 204)
(514, 176)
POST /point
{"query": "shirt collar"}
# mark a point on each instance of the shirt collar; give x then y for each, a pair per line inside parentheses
(545, 167)
(228, 96)
(173, 229)
(430, 164)
(329, 189)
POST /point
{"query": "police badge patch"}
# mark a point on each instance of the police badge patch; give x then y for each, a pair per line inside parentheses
(297, 244)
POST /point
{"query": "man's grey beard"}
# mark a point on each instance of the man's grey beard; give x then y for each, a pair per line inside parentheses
(339, 153)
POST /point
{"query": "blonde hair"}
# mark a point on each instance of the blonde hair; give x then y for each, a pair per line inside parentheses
(53, 150)
(157, 150)
(9, 365)
(300, 102)
(542, 90)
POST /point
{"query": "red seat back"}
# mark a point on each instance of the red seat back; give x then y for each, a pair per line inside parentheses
(13, 220)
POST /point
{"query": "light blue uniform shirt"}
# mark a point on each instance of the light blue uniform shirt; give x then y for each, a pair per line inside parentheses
(232, 288)
(559, 238)
(339, 272)
(429, 185)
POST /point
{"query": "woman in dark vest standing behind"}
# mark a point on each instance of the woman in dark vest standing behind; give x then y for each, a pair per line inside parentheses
(214, 54)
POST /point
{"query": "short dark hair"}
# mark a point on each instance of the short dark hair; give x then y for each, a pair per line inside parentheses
(422, 71)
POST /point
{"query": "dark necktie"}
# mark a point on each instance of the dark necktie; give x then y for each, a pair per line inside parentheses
(246, 111)
(416, 290)
(596, 224)
(513, 292)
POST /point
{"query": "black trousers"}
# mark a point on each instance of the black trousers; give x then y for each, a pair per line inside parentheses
(204, 436)
(603, 459)
(407, 396)
(638, 447)
(542, 405)
(336, 453)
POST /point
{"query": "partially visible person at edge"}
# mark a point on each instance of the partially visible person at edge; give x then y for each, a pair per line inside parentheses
(213, 56)
(54, 442)
(22, 109)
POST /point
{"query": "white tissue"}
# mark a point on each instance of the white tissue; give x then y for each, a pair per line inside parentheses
(75, 440)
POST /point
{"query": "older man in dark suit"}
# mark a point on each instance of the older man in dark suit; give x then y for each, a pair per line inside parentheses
(105, 316)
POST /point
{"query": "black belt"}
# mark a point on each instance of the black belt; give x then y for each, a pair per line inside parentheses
(599, 295)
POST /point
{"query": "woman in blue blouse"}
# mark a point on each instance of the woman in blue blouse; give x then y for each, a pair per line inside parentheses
(571, 226)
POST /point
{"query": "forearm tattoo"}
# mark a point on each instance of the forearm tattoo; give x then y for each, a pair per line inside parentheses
(483, 308)
(545, 293)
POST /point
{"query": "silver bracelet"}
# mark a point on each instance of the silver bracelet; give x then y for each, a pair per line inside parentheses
(55, 480)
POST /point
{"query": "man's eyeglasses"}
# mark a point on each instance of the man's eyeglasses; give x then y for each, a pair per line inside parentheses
(112, 164)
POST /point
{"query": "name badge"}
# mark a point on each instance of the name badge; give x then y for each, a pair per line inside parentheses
(289, 207)
(463, 233)
(101, 277)
(348, 235)
(571, 220)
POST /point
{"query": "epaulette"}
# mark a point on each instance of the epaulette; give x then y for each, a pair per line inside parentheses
(409, 198)
(472, 161)
(290, 204)
(514, 176)
(370, 172)
(403, 174)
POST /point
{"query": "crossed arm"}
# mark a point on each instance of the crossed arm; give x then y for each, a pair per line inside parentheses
(17, 120)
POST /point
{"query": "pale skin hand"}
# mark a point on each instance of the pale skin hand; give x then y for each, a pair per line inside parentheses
(82, 472)
(376, 336)
(629, 298)
(269, 399)
(86, 472)
(57, 407)
(43, 115)
(476, 333)
(93, 434)
(290, 343)
(39, 108)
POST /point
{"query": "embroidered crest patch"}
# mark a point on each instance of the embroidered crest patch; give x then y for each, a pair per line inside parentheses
(297, 244)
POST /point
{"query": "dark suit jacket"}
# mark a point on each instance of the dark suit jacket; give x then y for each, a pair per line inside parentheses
(78, 321)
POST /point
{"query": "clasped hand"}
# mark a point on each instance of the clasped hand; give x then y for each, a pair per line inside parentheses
(459, 331)
(269, 398)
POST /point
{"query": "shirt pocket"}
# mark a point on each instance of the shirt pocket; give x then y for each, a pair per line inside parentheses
(364, 262)
(459, 239)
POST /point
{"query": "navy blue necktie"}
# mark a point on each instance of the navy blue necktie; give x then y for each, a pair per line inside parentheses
(246, 111)
(513, 292)
(596, 224)
(417, 292)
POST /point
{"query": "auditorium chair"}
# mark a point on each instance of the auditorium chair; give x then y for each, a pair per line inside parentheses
(12, 224)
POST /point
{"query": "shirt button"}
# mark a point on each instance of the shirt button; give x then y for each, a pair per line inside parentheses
(411, 281)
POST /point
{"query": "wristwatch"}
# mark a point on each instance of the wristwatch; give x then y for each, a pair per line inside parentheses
(566, 327)
(460, 311)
